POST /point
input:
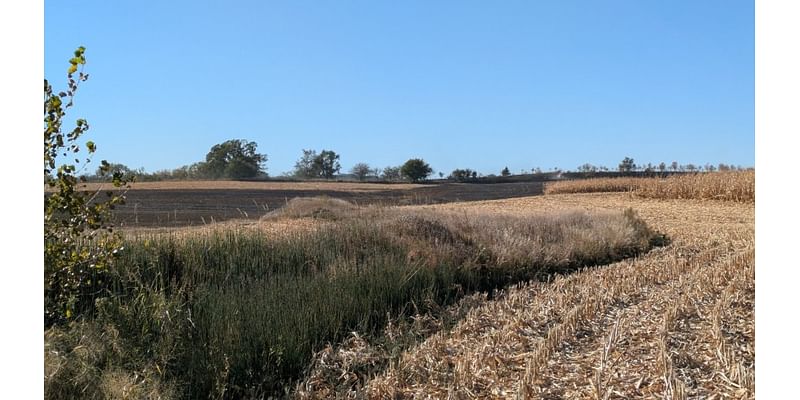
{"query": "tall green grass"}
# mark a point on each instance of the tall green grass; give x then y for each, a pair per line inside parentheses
(239, 314)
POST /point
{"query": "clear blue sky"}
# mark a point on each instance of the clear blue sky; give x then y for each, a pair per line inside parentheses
(462, 84)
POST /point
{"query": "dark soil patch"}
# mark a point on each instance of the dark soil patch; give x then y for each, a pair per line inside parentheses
(191, 207)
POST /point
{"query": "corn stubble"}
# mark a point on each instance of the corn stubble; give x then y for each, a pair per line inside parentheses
(675, 323)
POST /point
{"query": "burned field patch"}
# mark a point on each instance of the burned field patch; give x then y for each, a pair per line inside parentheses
(192, 207)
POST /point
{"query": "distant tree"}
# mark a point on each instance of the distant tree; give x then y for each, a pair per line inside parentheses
(627, 165)
(304, 167)
(587, 168)
(327, 164)
(361, 171)
(505, 172)
(234, 159)
(324, 164)
(674, 166)
(710, 168)
(415, 170)
(460, 175)
(474, 174)
(723, 167)
(690, 167)
(441, 174)
(537, 170)
(662, 167)
(391, 173)
(112, 168)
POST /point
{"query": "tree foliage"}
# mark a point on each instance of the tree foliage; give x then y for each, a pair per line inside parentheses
(317, 165)
(505, 172)
(304, 167)
(627, 165)
(586, 167)
(461, 175)
(234, 159)
(79, 242)
(391, 174)
(361, 171)
(327, 164)
(415, 170)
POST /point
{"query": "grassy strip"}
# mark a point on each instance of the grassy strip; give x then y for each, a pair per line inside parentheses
(231, 315)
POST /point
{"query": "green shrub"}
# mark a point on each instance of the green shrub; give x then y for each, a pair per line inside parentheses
(79, 244)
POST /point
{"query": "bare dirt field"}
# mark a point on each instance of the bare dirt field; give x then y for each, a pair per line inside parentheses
(252, 185)
(677, 322)
(182, 204)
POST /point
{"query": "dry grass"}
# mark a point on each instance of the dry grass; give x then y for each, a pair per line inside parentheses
(674, 323)
(260, 304)
(320, 207)
(677, 322)
(556, 240)
(731, 186)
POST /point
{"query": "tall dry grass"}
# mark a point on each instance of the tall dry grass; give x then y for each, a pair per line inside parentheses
(730, 186)
(239, 314)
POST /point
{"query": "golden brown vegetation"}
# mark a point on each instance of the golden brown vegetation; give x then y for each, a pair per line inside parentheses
(732, 186)
(257, 306)
(675, 323)
(593, 185)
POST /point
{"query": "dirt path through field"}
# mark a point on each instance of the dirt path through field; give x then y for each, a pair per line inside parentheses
(675, 323)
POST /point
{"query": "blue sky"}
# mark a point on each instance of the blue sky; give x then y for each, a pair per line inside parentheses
(462, 84)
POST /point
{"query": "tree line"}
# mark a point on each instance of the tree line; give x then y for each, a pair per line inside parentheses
(240, 159)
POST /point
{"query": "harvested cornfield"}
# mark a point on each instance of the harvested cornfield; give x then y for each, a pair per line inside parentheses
(730, 186)
(675, 323)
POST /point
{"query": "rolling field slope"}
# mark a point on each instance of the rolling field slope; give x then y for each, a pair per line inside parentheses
(677, 322)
